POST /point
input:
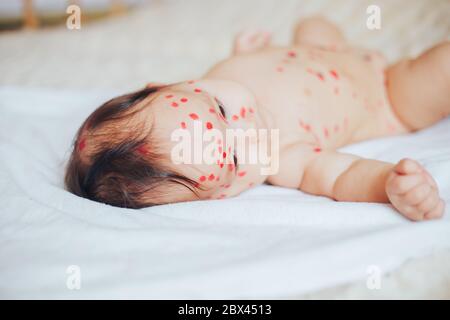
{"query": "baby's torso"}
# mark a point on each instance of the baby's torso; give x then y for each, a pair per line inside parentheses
(318, 98)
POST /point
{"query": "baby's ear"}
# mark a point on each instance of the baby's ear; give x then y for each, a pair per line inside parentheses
(154, 84)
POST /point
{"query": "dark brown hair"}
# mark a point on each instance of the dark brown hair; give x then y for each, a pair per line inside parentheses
(111, 164)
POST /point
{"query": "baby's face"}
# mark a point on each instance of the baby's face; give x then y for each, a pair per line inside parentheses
(206, 111)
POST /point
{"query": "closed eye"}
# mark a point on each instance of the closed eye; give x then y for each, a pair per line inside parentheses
(221, 108)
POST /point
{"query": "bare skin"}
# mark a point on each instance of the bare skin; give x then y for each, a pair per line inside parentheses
(321, 94)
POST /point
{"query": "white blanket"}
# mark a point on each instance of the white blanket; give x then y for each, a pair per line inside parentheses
(267, 243)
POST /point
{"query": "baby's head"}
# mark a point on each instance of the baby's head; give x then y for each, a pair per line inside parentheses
(123, 152)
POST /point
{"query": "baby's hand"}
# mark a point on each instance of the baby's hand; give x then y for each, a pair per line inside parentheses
(251, 40)
(413, 191)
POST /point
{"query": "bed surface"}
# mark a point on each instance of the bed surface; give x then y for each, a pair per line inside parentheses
(267, 243)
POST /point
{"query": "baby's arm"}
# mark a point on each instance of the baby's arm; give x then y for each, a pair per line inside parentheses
(407, 185)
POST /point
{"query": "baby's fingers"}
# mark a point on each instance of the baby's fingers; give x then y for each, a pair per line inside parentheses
(399, 184)
(437, 211)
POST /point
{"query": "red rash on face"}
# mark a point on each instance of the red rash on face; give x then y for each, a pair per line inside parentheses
(224, 155)
(211, 177)
(317, 149)
(209, 125)
(230, 167)
(169, 96)
(183, 100)
(193, 116)
(235, 117)
(292, 54)
(212, 110)
(197, 90)
(334, 74)
(183, 125)
(243, 112)
(221, 165)
(202, 179)
(325, 132)
(251, 110)
(82, 144)
(280, 69)
(174, 104)
(242, 173)
(320, 76)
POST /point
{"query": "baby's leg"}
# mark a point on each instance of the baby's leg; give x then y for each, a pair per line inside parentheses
(419, 89)
(317, 31)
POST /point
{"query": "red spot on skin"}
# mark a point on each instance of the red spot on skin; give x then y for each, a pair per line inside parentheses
(334, 74)
(226, 186)
(292, 54)
(220, 149)
(217, 178)
(169, 96)
(211, 177)
(230, 167)
(224, 155)
(242, 173)
(193, 116)
(209, 125)
(174, 104)
(183, 125)
(243, 112)
(251, 110)
(317, 149)
(202, 179)
(212, 110)
(280, 69)
(197, 90)
(307, 127)
(221, 165)
(326, 132)
(235, 117)
(320, 76)
(82, 144)
(142, 149)
(336, 128)
(184, 100)
(336, 90)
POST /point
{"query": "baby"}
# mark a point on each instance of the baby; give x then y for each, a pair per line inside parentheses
(317, 95)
